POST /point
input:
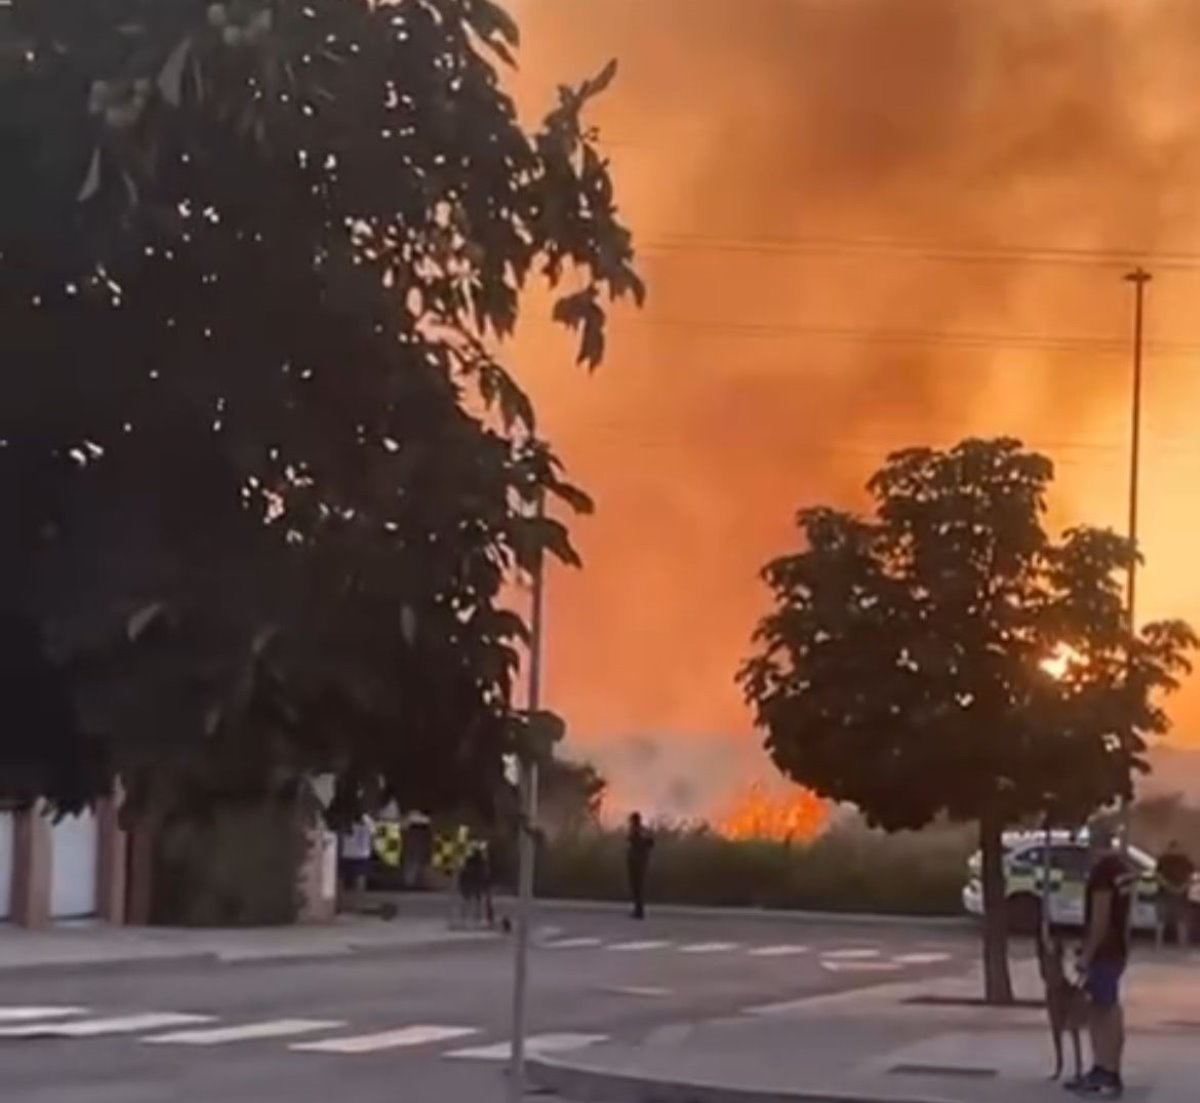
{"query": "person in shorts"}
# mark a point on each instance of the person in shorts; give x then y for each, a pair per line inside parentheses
(1102, 961)
(1174, 875)
(356, 854)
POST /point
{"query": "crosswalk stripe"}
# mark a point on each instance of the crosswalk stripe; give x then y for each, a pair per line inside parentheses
(248, 1032)
(778, 951)
(921, 959)
(571, 944)
(638, 947)
(849, 955)
(91, 1028)
(708, 947)
(860, 966)
(404, 1037)
(28, 1014)
(535, 1044)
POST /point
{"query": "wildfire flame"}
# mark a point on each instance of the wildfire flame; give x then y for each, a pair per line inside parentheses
(757, 814)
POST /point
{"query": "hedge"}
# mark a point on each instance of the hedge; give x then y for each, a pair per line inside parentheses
(847, 869)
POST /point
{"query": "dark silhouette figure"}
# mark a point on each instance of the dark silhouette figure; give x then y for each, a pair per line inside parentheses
(639, 845)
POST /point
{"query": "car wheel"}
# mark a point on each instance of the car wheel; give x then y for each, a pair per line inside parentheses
(1024, 914)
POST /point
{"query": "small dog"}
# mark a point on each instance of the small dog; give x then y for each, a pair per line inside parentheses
(1066, 1002)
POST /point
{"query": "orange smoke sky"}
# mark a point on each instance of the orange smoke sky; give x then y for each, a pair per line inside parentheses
(969, 168)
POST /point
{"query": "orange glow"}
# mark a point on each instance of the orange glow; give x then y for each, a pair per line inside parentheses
(1029, 154)
(1062, 662)
(798, 816)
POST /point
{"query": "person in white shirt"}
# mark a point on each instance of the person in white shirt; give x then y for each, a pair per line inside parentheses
(356, 853)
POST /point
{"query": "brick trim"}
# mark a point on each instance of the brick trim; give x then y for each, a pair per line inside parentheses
(32, 857)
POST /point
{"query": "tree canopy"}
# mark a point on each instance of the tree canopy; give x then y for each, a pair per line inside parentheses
(944, 656)
(267, 474)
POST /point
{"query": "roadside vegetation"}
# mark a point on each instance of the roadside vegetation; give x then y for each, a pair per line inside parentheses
(849, 868)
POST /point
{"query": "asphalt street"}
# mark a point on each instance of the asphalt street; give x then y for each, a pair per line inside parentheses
(423, 1026)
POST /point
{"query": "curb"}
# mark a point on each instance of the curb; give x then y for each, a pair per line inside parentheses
(585, 1084)
(92, 967)
(215, 959)
(770, 915)
(696, 911)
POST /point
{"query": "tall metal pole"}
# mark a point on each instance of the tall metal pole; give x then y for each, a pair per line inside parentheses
(1139, 277)
(528, 792)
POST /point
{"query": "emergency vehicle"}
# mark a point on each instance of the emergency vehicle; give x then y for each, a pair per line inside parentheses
(1030, 857)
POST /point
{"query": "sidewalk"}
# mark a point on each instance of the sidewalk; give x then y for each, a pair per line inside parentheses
(877, 1046)
(96, 945)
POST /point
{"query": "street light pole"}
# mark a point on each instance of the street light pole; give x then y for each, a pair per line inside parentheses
(1139, 277)
(528, 796)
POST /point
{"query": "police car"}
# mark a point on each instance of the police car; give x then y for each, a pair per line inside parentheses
(1029, 856)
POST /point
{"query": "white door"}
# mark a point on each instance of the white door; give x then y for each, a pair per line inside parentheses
(74, 859)
(6, 864)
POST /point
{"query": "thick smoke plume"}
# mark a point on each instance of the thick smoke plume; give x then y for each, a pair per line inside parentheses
(866, 224)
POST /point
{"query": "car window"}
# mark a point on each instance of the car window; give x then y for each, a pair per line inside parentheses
(1029, 858)
(1071, 860)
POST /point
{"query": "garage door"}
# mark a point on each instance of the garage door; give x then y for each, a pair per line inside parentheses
(73, 868)
(6, 863)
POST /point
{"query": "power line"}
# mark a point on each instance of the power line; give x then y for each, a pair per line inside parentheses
(1035, 342)
(941, 434)
(922, 250)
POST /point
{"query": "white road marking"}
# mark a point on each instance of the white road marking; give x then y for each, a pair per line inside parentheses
(778, 951)
(91, 1028)
(248, 1032)
(709, 948)
(535, 1044)
(921, 959)
(849, 955)
(635, 990)
(860, 966)
(28, 1014)
(571, 944)
(403, 1038)
(638, 947)
(783, 1008)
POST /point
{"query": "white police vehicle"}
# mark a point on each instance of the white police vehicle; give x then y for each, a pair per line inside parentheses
(1030, 855)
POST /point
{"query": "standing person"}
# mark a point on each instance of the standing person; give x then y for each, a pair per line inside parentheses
(638, 846)
(1174, 871)
(356, 854)
(1102, 961)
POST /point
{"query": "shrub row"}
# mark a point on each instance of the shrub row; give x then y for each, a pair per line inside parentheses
(848, 869)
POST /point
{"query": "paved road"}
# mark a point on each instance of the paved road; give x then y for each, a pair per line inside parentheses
(425, 1026)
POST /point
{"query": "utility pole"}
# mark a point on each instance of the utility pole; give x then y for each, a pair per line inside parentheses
(1139, 277)
(528, 795)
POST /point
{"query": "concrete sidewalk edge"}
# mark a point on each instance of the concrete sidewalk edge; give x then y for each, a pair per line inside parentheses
(423, 901)
(584, 1083)
(207, 959)
(103, 966)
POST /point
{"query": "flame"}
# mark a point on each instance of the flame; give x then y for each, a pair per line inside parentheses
(757, 814)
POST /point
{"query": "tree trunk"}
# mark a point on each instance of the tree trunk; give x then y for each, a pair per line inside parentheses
(997, 983)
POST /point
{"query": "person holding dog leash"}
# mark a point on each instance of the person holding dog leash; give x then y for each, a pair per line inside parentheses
(1101, 965)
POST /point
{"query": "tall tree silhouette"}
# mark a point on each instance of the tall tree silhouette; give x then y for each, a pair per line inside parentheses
(906, 663)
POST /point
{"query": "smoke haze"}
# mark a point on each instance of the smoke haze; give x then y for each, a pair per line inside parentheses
(971, 179)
